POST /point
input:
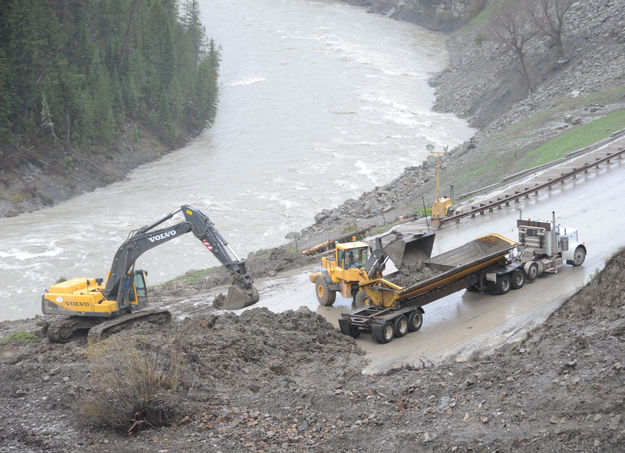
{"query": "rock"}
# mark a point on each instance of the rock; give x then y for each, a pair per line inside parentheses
(186, 419)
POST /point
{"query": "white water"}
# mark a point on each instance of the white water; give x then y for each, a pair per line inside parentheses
(319, 102)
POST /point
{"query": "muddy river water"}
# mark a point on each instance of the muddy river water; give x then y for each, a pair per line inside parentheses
(320, 101)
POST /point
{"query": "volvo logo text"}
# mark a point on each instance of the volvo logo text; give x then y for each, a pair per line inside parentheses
(160, 237)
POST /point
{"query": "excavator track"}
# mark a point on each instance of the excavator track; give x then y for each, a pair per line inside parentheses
(63, 330)
(103, 329)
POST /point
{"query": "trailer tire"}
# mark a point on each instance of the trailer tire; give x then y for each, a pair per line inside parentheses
(415, 320)
(400, 326)
(345, 327)
(383, 333)
(325, 295)
(361, 300)
(579, 256)
(518, 279)
(348, 329)
(531, 271)
(504, 283)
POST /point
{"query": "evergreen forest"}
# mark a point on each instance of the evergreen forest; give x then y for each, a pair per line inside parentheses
(83, 73)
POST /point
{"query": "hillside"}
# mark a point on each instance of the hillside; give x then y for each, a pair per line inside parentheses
(89, 90)
(576, 99)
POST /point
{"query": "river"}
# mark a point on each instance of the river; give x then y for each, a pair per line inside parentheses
(319, 102)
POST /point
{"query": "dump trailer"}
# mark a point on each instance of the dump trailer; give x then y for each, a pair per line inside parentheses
(394, 308)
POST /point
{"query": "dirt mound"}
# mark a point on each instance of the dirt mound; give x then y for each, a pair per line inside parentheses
(261, 347)
(410, 275)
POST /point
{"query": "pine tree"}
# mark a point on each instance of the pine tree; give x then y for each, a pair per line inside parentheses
(76, 70)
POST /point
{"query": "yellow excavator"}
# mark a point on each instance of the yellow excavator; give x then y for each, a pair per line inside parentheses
(356, 263)
(98, 306)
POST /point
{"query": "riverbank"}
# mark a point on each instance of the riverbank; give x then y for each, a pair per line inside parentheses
(30, 181)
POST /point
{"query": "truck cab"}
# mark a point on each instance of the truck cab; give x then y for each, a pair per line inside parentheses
(548, 245)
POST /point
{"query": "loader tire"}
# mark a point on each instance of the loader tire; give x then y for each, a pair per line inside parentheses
(325, 295)
(361, 300)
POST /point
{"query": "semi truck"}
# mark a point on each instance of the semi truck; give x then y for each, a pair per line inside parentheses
(491, 263)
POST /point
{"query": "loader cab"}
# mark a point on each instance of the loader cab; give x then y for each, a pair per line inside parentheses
(352, 255)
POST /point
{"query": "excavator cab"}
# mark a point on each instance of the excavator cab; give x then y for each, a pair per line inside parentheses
(139, 294)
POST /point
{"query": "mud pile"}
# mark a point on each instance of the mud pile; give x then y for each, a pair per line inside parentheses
(411, 275)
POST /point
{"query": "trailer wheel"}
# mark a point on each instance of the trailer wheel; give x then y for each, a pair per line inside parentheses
(531, 271)
(415, 320)
(325, 295)
(383, 333)
(504, 282)
(348, 329)
(518, 279)
(579, 256)
(361, 300)
(400, 326)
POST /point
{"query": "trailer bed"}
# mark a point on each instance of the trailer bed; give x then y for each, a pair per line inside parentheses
(453, 271)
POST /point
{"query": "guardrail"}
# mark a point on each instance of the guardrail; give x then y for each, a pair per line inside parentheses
(527, 190)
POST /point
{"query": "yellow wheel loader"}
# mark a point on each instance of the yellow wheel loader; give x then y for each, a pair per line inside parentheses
(98, 306)
(356, 263)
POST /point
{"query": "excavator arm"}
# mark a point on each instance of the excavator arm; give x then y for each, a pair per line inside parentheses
(241, 294)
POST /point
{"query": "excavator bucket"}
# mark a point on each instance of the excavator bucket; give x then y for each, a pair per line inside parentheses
(411, 250)
(239, 296)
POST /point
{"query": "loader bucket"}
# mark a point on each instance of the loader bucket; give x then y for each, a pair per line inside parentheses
(411, 250)
(239, 296)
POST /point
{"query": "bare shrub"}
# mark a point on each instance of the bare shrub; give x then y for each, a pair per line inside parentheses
(134, 385)
(511, 27)
(549, 16)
